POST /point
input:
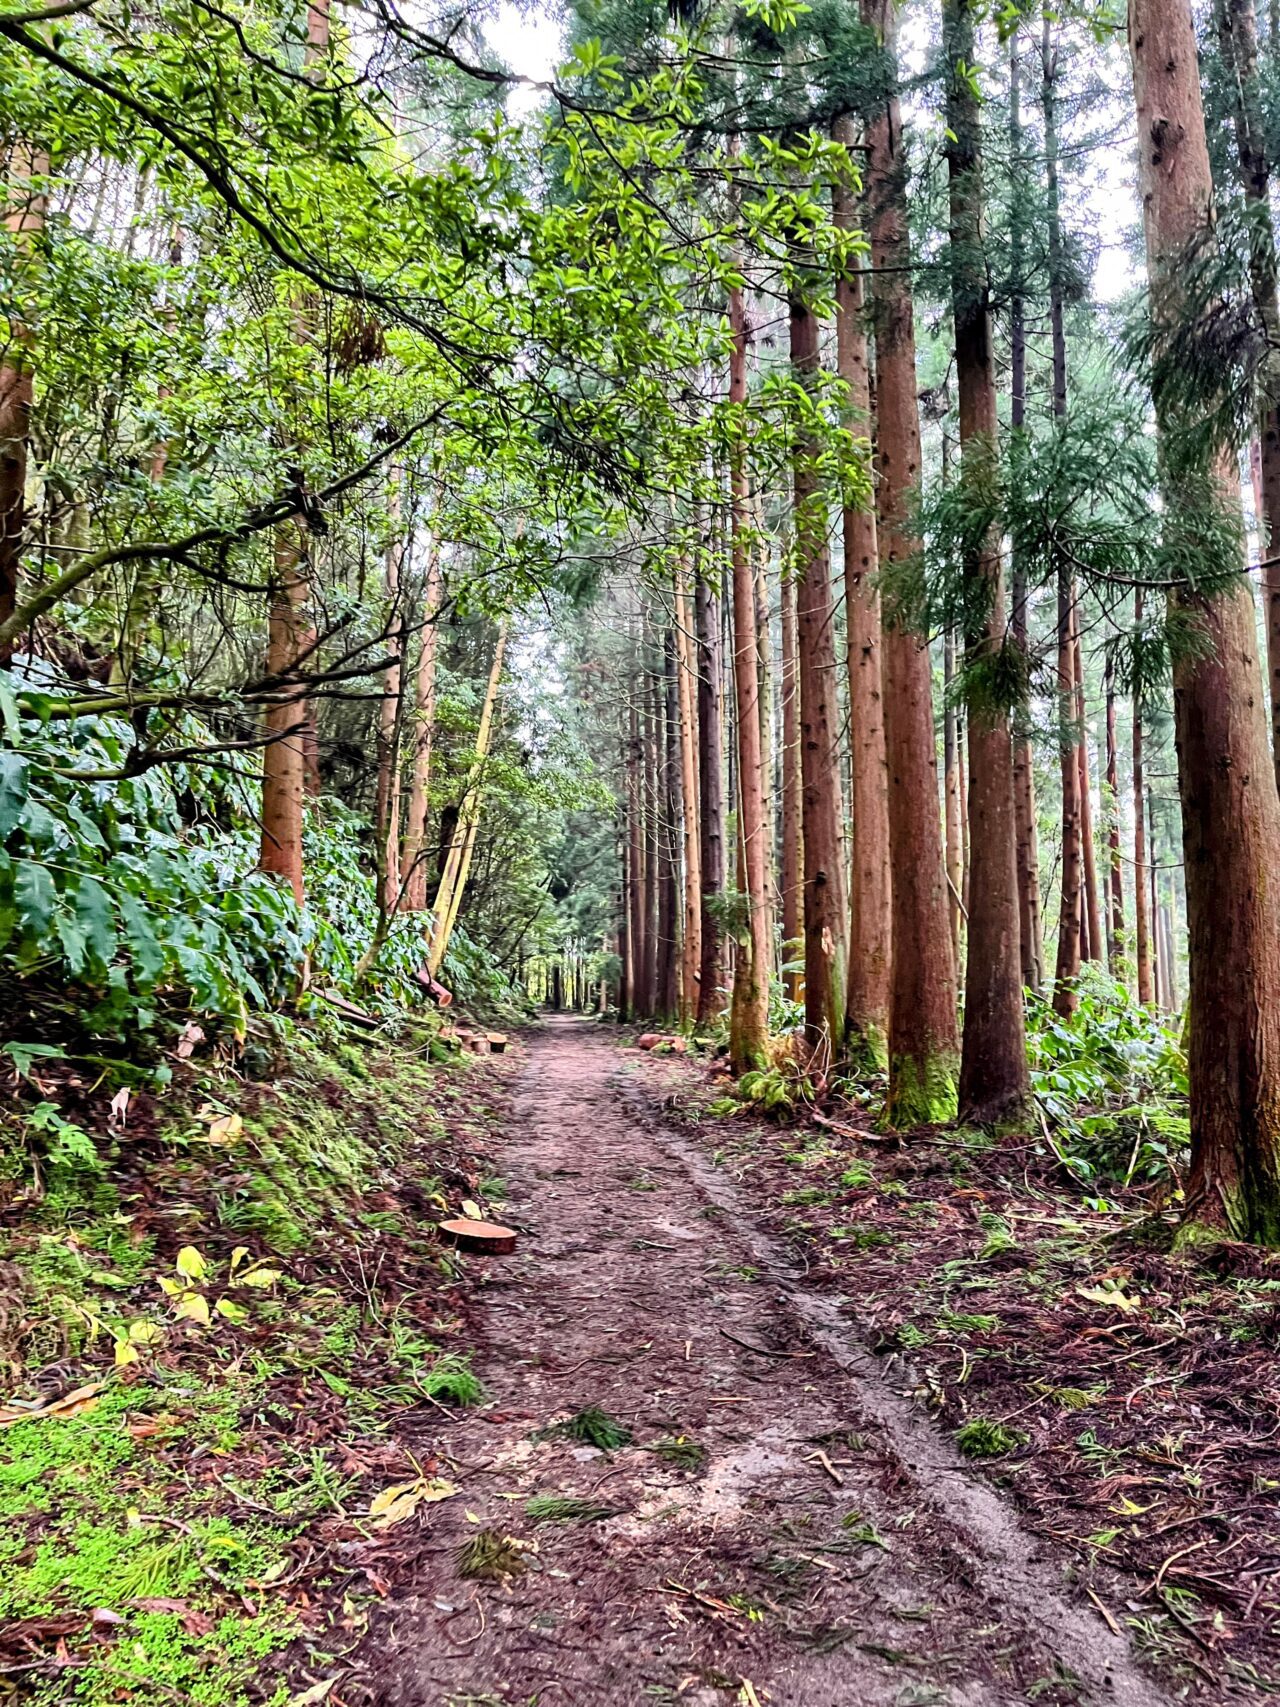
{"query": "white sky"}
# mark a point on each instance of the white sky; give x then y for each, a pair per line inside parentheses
(531, 40)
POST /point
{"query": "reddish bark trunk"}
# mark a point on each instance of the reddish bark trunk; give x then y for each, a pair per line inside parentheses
(870, 895)
(691, 951)
(387, 801)
(1238, 36)
(1230, 807)
(24, 217)
(413, 862)
(1141, 928)
(1071, 914)
(749, 1015)
(282, 759)
(711, 798)
(1115, 864)
(792, 830)
(923, 1046)
(1092, 943)
(825, 918)
(994, 1075)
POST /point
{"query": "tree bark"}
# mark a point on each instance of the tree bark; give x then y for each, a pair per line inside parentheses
(387, 802)
(669, 838)
(994, 1075)
(25, 214)
(792, 828)
(923, 1046)
(711, 796)
(825, 917)
(1091, 933)
(453, 882)
(951, 795)
(1230, 807)
(413, 868)
(1238, 36)
(1115, 865)
(1031, 929)
(749, 1014)
(1141, 928)
(691, 951)
(289, 634)
(870, 895)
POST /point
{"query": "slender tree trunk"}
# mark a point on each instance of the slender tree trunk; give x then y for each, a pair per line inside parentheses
(453, 882)
(870, 897)
(283, 770)
(711, 798)
(1141, 930)
(1092, 909)
(413, 867)
(27, 205)
(652, 840)
(952, 794)
(1238, 36)
(1071, 914)
(669, 893)
(1230, 807)
(825, 916)
(749, 1016)
(923, 1046)
(290, 636)
(387, 805)
(1031, 930)
(1115, 863)
(691, 953)
(792, 828)
(994, 1076)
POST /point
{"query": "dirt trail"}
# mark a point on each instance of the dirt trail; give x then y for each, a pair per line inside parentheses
(827, 1551)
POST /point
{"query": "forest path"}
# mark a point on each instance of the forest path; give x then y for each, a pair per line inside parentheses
(827, 1550)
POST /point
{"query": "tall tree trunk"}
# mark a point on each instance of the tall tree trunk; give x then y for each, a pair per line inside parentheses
(283, 770)
(1066, 996)
(691, 952)
(1091, 945)
(952, 793)
(1238, 36)
(387, 804)
(1230, 807)
(923, 1046)
(1115, 864)
(651, 727)
(1027, 851)
(792, 828)
(749, 1014)
(711, 795)
(825, 917)
(413, 865)
(25, 211)
(290, 637)
(635, 835)
(1141, 928)
(870, 897)
(669, 892)
(453, 882)
(994, 1075)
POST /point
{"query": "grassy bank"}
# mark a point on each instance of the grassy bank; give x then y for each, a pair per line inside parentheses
(226, 1328)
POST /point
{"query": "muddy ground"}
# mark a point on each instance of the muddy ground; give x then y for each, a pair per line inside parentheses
(781, 1527)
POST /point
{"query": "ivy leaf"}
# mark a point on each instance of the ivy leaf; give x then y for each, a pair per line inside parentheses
(13, 790)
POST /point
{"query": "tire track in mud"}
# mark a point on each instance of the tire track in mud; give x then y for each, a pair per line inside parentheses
(826, 1549)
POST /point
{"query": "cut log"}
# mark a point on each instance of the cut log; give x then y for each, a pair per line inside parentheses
(497, 1042)
(484, 1238)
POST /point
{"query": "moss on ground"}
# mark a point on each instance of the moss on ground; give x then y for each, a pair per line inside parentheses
(203, 1327)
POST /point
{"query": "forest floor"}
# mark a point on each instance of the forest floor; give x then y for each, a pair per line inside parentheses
(693, 1483)
(756, 1415)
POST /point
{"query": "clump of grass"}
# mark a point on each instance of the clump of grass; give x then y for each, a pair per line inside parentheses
(857, 1175)
(451, 1381)
(982, 1438)
(491, 1556)
(958, 1322)
(593, 1427)
(999, 1236)
(863, 1531)
(567, 1508)
(679, 1451)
